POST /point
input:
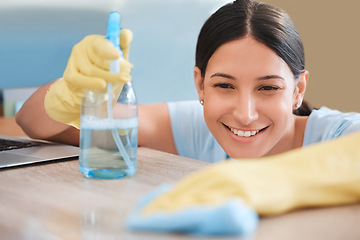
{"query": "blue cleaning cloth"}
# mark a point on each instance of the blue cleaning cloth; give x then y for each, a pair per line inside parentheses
(231, 218)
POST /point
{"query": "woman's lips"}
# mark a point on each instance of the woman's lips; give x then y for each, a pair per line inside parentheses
(245, 133)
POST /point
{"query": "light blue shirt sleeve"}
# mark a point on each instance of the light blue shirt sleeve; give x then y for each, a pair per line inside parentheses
(192, 137)
(326, 124)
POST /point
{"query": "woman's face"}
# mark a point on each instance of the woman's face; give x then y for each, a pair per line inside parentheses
(249, 94)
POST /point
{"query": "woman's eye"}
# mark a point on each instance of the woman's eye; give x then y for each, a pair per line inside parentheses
(223, 85)
(268, 88)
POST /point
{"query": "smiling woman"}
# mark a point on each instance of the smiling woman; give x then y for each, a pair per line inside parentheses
(250, 78)
(249, 93)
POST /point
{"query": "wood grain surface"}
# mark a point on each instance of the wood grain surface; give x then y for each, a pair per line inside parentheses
(54, 201)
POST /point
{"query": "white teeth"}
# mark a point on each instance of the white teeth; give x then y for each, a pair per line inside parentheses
(244, 133)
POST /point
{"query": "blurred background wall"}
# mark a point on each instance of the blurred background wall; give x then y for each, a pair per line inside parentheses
(36, 37)
(331, 36)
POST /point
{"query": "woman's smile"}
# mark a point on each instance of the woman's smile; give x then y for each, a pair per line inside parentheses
(244, 135)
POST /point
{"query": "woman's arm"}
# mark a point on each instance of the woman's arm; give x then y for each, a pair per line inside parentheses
(155, 128)
(35, 122)
(154, 124)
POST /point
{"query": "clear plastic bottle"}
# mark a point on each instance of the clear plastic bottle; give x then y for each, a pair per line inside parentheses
(108, 142)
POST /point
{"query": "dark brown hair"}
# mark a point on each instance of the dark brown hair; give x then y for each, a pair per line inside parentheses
(269, 25)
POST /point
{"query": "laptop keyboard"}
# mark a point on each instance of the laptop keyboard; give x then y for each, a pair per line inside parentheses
(6, 144)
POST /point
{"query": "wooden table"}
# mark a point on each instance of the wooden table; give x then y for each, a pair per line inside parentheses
(54, 201)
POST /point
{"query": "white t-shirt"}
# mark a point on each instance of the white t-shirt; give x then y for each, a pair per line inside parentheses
(194, 140)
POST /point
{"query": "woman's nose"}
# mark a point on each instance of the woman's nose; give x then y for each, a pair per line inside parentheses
(245, 109)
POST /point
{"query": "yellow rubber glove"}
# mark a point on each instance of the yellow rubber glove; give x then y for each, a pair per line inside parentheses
(87, 68)
(323, 174)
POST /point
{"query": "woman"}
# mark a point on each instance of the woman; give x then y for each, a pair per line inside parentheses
(250, 77)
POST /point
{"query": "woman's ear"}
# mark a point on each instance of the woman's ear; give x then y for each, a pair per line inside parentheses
(301, 87)
(199, 83)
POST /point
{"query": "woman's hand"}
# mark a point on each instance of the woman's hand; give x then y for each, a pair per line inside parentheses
(88, 67)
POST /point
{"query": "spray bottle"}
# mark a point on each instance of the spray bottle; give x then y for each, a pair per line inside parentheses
(109, 131)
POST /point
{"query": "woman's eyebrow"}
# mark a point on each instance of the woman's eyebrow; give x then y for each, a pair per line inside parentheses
(262, 78)
(268, 77)
(223, 75)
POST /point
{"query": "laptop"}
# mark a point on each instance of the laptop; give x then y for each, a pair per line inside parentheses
(21, 151)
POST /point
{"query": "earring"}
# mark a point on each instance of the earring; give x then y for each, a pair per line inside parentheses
(201, 102)
(298, 104)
